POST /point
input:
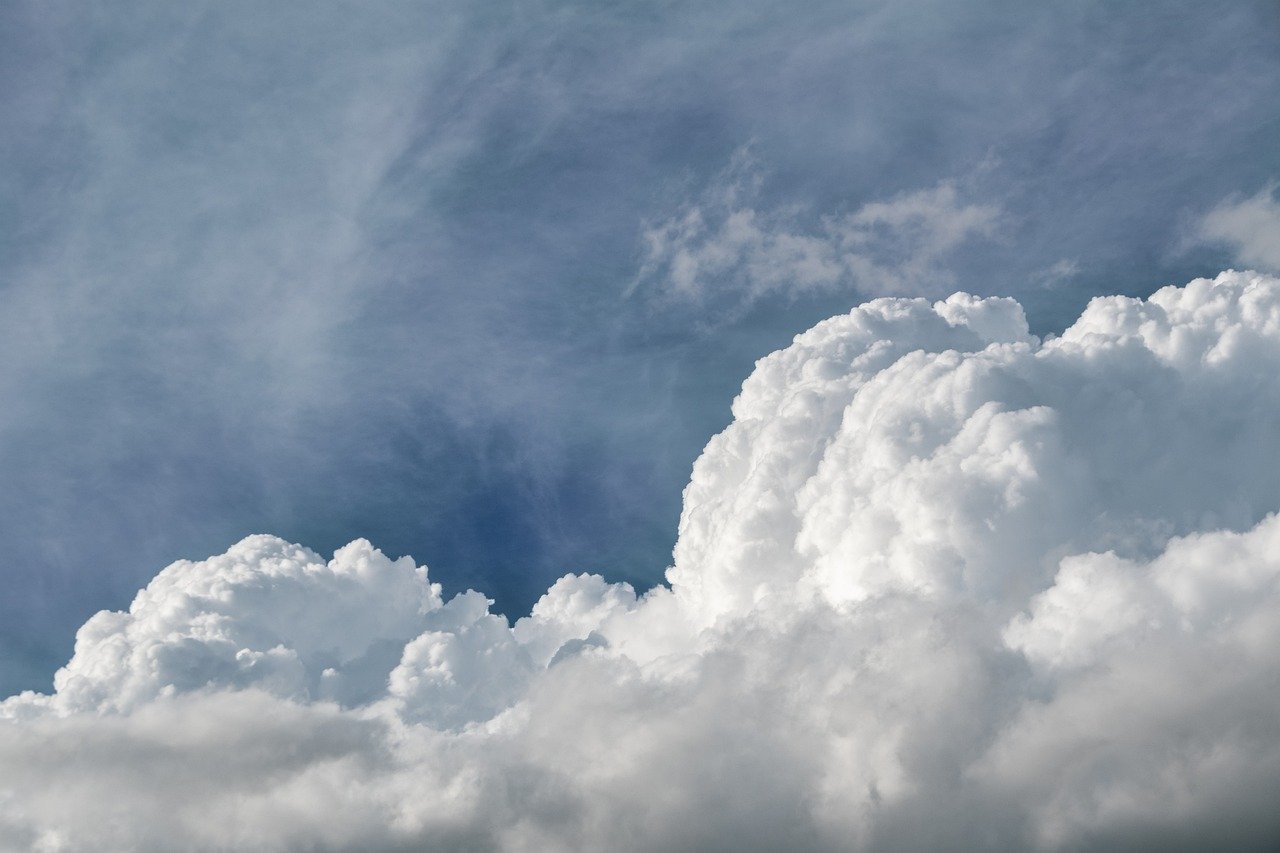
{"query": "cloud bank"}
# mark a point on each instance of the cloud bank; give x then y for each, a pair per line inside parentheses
(940, 585)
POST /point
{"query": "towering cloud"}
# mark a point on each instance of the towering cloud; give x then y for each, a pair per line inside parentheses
(940, 584)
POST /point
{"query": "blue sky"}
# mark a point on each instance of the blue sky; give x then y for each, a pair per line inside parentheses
(477, 281)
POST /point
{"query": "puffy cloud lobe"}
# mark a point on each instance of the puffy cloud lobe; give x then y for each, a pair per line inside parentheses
(470, 667)
(571, 610)
(277, 618)
(265, 614)
(741, 520)
(940, 584)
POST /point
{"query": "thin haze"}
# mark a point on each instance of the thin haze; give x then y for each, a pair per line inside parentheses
(426, 273)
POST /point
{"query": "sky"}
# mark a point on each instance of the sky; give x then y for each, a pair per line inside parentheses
(472, 286)
(477, 281)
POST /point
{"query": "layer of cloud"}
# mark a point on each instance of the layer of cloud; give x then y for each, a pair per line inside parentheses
(1249, 226)
(940, 585)
(721, 250)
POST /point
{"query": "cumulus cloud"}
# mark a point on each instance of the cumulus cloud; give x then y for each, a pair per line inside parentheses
(722, 249)
(1250, 226)
(940, 585)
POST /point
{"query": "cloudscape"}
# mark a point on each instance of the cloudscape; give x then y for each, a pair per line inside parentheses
(578, 427)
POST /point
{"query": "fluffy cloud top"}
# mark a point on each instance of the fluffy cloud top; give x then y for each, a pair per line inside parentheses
(940, 584)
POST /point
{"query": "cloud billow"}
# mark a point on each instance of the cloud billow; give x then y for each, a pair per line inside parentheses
(940, 584)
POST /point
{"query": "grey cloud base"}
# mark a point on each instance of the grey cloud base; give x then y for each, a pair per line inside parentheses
(939, 585)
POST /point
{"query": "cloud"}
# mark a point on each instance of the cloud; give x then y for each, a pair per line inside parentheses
(1183, 646)
(1250, 226)
(940, 585)
(720, 249)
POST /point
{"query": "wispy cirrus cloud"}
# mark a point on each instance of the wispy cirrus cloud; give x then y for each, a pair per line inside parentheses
(725, 249)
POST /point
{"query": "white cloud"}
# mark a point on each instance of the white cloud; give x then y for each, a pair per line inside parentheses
(1182, 649)
(720, 249)
(940, 585)
(1250, 226)
(265, 614)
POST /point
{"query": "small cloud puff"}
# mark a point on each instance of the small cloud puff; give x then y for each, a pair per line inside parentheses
(722, 250)
(1249, 226)
(940, 585)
